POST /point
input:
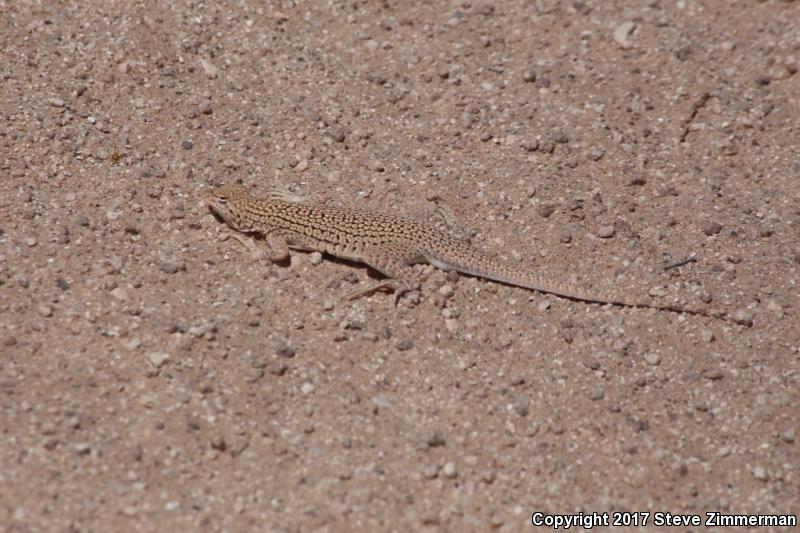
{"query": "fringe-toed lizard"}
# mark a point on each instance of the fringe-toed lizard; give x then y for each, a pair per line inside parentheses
(388, 243)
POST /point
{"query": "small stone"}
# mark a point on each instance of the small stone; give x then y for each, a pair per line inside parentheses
(711, 228)
(706, 335)
(278, 368)
(449, 470)
(430, 471)
(45, 310)
(788, 436)
(56, 102)
(187, 144)
(605, 231)
(168, 268)
(435, 440)
(652, 359)
(684, 52)
(743, 316)
(760, 473)
(486, 136)
(158, 359)
(119, 293)
(775, 308)
(315, 258)
(283, 349)
(307, 388)
(657, 291)
(622, 34)
(713, 374)
(301, 166)
(210, 70)
(545, 210)
(83, 448)
(62, 284)
(446, 290)
(336, 133)
(522, 405)
(595, 154)
(404, 345)
(218, 443)
(529, 76)
(597, 394)
(82, 221)
(530, 145)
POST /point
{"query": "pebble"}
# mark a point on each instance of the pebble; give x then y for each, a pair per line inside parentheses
(119, 293)
(45, 310)
(652, 359)
(404, 345)
(713, 374)
(657, 291)
(711, 228)
(446, 290)
(605, 231)
(315, 258)
(336, 133)
(284, 349)
(760, 473)
(706, 335)
(158, 359)
(186, 144)
(168, 268)
(743, 316)
(522, 405)
(307, 388)
(83, 448)
(788, 436)
(210, 70)
(430, 471)
(775, 307)
(449, 470)
(435, 440)
(597, 394)
(622, 34)
(595, 154)
(486, 136)
(545, 210)
(529, 76)
(57, 102)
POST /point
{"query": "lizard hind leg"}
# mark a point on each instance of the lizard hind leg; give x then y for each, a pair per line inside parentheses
(402, 277)
(446, 215)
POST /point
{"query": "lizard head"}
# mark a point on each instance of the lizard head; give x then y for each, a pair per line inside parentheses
(225, 202)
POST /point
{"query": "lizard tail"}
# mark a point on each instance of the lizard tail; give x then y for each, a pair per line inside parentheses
(494, 270)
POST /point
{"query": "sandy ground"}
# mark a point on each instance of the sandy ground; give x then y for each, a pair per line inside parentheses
(154, 375)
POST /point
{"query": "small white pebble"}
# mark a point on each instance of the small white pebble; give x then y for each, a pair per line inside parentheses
(652, 359)
(449, 470)
(158, 359)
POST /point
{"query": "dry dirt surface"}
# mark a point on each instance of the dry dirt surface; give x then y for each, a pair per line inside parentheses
(154, 374)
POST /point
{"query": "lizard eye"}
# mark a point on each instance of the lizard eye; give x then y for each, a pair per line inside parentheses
(222, 199)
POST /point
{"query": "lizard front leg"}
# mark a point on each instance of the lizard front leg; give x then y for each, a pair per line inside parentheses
(277, 247)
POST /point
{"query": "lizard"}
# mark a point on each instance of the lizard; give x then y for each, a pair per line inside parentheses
(388, 243)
